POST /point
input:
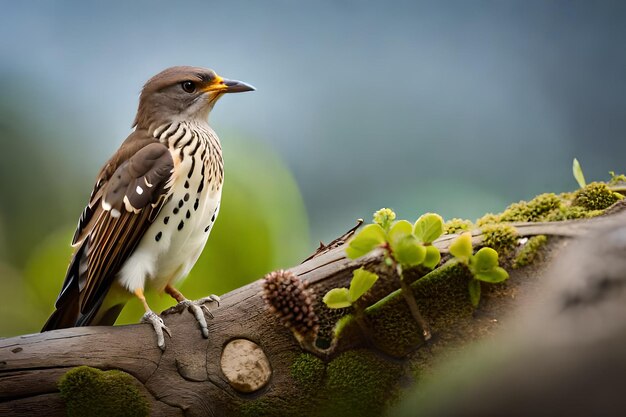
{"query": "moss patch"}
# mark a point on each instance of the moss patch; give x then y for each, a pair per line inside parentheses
(359, 383)
(308, 371)
(533, 210)
(269, 407)
(395, 331)
(501, 237)
(92, 392)
(617, 179)
(529, 251)
(571, 213)
(457, 226)
(585, 203)
(355, 383)
(596, 196)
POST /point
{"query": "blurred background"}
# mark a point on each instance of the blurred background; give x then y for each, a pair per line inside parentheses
(456, 107)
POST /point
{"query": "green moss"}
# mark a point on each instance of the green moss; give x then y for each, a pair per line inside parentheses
(501, 237)
(308, 371)
(92, 392)
(532, 210)
(529, 251)
(298, 400)
(457, 226)
(585, 203)
(596, 196)
(355, 383)
(328, 318)
(395, 331)
(489, 218)
(268, 407)
(359, 383)
(571, 213)
(617, 179)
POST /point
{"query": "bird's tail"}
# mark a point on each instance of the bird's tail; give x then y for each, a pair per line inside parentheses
(68, 315)
(61, 319)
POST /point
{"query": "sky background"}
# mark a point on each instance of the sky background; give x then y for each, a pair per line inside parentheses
(458, 107)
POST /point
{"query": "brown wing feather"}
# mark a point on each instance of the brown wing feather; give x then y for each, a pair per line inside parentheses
(112, 225)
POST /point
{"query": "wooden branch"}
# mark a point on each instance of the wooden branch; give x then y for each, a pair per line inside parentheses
(191, 377)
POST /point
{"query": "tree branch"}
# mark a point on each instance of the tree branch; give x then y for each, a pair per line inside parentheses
(189, 377)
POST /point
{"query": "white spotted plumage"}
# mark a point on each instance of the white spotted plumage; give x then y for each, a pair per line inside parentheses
(173, 243)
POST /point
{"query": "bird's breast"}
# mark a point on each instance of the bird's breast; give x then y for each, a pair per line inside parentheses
(184, 223)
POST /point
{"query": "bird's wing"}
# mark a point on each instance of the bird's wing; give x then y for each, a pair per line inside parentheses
(129, 193)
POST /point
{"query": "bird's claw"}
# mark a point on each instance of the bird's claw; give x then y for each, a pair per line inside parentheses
(158, 325)
(198, 309)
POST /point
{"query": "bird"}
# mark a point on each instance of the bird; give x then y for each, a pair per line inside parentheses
(152, 207)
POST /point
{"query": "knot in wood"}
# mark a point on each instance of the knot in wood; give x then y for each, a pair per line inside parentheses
(245, 365)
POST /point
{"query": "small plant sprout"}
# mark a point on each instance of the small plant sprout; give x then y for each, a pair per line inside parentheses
(483, 265)
(406, 245)
(578, 174)
(409, 245)
(362, 281)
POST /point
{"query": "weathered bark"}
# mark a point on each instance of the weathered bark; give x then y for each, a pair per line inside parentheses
(187, 377)
(563, 355)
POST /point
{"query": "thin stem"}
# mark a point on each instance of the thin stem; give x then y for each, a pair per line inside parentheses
(407, 293)
(359, 316)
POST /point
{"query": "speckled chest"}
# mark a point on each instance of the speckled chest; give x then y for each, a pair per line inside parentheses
(182, 227)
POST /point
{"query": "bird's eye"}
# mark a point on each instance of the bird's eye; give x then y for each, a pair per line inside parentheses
(189, 86)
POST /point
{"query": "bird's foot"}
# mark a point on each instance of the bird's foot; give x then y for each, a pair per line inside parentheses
(158, 325)
(198, 309)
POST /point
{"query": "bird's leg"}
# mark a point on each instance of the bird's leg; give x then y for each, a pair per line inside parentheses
(197, 307)
(152, 318)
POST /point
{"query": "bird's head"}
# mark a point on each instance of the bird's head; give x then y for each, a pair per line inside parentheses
(182, 93)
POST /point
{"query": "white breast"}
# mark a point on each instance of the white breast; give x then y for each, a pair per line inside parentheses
(173, 243)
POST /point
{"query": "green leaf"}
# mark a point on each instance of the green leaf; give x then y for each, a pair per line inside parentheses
(428, 227)
(461, 248)
(474, 292)
(365, 241)
(484, 260)
(433, 256)
(408, 251)
(578, 174)
(337, 298)
(362, 281)
(399, 231)
(494, 275)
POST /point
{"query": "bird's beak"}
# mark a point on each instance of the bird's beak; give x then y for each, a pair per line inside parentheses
(234, 86)
(224, 85)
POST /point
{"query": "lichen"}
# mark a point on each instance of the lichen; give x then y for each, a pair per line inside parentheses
(596, 196)
(92, 392)
(501, 237)
(457, 225)
(529, 251)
